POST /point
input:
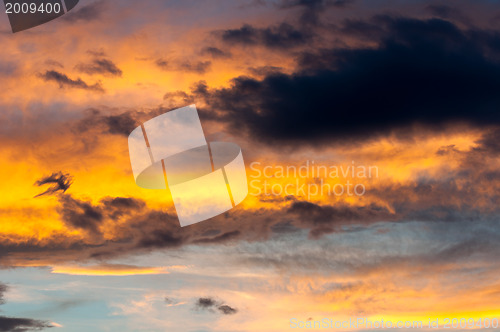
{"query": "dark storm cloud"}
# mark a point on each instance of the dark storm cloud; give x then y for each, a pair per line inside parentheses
(216, 53)
(100, 66)
(209, 304)
(65, 82)
(282, 36)
(424, 71)
(199, 67)
(10, 324)
(90, 12)
(59, 181)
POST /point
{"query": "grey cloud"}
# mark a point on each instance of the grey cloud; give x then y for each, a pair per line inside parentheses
(199, 67)
(84, 215)
(220, 238)
(216, 53)
(60, 182)
(11, 324)
(281, 36)
(64, 81)
(265, 70)
(3, 289)
(227, 310)
(117, 124)
(100, 66)
(80, 215)
(209, 304)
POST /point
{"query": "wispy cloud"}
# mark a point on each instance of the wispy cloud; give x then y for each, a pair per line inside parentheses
(65, 82)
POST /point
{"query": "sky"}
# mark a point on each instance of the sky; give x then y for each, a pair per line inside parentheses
(370, 132)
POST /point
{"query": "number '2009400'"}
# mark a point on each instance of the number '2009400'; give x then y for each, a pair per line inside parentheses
(32, 8)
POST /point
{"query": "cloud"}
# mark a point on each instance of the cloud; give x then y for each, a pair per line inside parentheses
(64, 81)
(11, 324)
(220, 238)
(208, 303)
(425, 72)
(227, 310)
(80, 215)
(3, 289)
(122, 124)
(163, 232)
(323, 219)
(54, 63)
(199, 67)
(281, 36)
(60, 181)
(205, 302)
(265, 70)
(100, 66)
(115, 123)
(490, 142)
(83, 215)
(216, 53)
